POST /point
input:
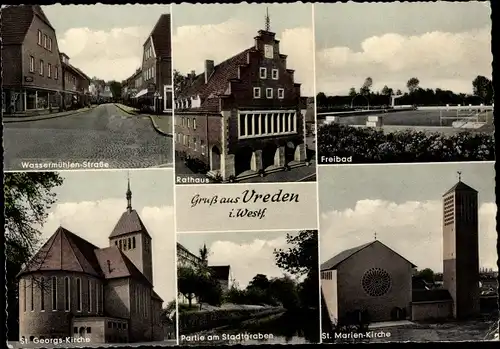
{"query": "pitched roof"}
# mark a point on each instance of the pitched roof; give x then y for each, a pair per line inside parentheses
(335, 261)
(217, 83)
(65, 251)
(15, 22)
(129, 222)
(434, 295)
(460, 186)
(220, 272)
(155, 295)
(115, 264)
(162, 39)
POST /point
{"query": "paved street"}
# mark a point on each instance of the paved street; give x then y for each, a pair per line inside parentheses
(104, 134)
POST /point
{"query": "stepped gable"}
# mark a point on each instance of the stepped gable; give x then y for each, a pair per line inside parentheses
(129, 223)
(65, 251)
(115, 264)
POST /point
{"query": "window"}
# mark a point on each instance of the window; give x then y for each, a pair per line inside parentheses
(45, 44)
(78, 294)
(32, 64)
(75, 329)
(40, 37)
(256, 92)
(120, 245)
(281, 93)
(194, 124)
(49, 70)
(133, 242)
(202, 146)
(67, 290)
(188, 123)
(275, 74)
(41, 67)
(54, 293)
(110, 325)
(116, 243)
(89, 294)
(25, 294)
(32, 291)
(124, 326)
(102, 294)
(42, 294)
(261, 124)
(129, 243)
(50, 44)
(195, 144)
(262, 73)
(89, 330)
(269, 93)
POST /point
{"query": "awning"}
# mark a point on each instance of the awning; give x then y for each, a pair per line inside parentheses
(141, 93)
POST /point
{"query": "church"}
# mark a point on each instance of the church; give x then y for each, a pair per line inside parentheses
(72, 288)
(243, 117)
(373, 283)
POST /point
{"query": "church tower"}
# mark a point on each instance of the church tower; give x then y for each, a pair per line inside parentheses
(131, 236)
(461, 249)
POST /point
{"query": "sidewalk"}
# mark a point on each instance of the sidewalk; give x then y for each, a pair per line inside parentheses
(11, 119)
(161, 123)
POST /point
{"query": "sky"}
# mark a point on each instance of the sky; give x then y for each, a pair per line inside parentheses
(247, 253)
(215, 32)
(90, 203)
(444, 44)
(402, 204)
(104, 40)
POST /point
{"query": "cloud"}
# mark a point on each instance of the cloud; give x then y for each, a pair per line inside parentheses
(437, 59)
(192, 45)
(94, 221)
(114, 54)
(412, 229)
(248, 259)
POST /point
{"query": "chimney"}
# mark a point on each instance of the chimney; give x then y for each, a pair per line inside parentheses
(109, 265)
(209, 69)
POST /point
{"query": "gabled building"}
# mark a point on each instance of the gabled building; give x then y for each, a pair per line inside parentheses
(72, 288)
(156, 90)
(75, 84)
(31, 66)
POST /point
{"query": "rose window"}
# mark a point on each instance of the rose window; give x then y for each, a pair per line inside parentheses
(376, 282)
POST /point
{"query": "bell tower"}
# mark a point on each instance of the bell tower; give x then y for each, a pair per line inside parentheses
(461, 248)
(132, 238)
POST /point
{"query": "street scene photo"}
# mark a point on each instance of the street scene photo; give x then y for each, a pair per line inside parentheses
(396, 83)
(91, 262)
(404, 258)
(248, 288)
(244, 93)
(86, 87)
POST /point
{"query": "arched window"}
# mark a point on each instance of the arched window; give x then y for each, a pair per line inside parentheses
(120, 245)
(67, 294)
(78, 294)
(32, 288)
(42, 294)
(54, 293)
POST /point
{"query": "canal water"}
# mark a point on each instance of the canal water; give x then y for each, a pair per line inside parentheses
(286, 328)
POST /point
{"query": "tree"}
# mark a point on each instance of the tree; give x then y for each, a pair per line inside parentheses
(483, 88)
(386, 91)
(284, 291)
(179, 82)
(204, 253)
(321, 99)
(398, 92)
(426, 274)
(302, 257)
(412, 84)
(367, 85)
(352, 92)
(116, 89)
(27, 198)
(260, 281)
(187, 283)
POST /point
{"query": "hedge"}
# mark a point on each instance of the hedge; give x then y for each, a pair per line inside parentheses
(370, 145)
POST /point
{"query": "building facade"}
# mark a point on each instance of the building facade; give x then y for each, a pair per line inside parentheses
(72, 288)
(244, 116)
(75, 84)
(32, 78)
(155, 90)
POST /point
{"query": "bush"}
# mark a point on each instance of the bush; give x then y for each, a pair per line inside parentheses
(367, 145)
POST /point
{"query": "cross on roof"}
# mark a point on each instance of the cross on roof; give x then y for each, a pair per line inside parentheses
(267, 26)
(459, 176)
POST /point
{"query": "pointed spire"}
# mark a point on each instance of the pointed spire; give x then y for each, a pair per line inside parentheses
(129, 194)
(459, 176)
(267, 26)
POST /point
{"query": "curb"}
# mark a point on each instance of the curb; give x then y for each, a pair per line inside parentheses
(28, 119)
(125, 111)
(157, 128)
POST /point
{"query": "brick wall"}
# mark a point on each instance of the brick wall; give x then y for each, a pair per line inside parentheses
(351, 295)
(117, 298)
(12, 72)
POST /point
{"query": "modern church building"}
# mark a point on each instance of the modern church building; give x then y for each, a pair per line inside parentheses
(105, 295)
(374, 281)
